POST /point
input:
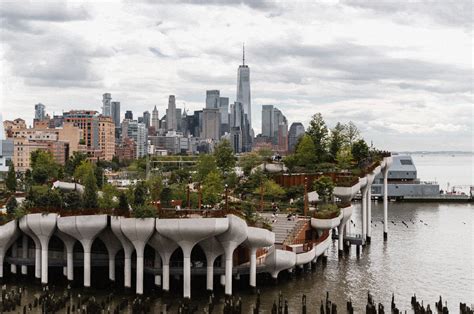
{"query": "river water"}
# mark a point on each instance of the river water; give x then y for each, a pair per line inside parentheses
(433, 255)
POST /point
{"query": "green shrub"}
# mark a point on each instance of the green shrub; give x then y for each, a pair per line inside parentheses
(327, 211)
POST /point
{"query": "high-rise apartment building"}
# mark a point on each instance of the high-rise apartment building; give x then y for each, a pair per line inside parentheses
(40, 112)
(138, 132)
(171, 121)
(98, 132)
(106, 105)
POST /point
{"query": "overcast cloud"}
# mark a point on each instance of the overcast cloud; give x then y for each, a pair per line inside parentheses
(401, 70)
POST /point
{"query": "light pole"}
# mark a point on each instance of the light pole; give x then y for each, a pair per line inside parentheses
(188, 201)
(305, 196)
(199, 196)
(226, 197)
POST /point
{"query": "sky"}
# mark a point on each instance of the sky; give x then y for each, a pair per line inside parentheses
(400, 70)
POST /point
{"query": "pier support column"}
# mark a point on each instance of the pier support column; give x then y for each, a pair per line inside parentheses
(87, 244)
(364, 212)
(14, 255)
(24, 253)
(212, 249)
(369, 214)
(37, 260)
(157, 264)
(69, 247)
(253, 267)
(340, 241)
(166, 275)
(385, 203)
(127, 269)
(186, 271)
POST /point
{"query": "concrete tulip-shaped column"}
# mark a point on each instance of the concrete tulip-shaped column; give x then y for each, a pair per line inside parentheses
(363, 192)
(85, 229)
(8, 235)
(43, 226)
(113, 246)
(388, 163)
(14, 252)
(24, 253)
(187, 233)
(257, 238)
(346, 214)
(127, 249)
(138, 231)
(370, 180)
(26, 230)
(69, 246)
(230, 240)
(213, 249)
(278, 260)
(165, 247)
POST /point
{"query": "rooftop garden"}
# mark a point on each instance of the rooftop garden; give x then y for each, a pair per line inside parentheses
(337, 150)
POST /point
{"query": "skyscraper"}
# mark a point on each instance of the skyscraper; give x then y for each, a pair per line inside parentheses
(39, 111)
(115, 112)
(212, 99)
(296, 131)
(155, 119)
(224, 111)
(267, 120)
(146, 118)
(243, 88)
(106, 105)
(171, 121)
(128, 115)
(211, 120)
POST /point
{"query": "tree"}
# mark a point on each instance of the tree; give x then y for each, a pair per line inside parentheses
(106, 201)
(43, 166)
(324, 187)
(140, 194)
(249, 161)
(99, 176)
(265, 153)
(305, 152)
(11, 205)
(336, 140)
(224, 155)
(319, 134)
(212, 188)
(73, 162)
(90, 190)
(155, 184)
(291, 161)
(83, 170)
(344, 158)
(351, 133)
(122, 208)
(360, 151)
(72, 200)
(205, 165)
(10, 181)
(271, 190)
(166, 196)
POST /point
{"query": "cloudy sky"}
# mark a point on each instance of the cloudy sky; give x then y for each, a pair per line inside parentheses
(401, 71)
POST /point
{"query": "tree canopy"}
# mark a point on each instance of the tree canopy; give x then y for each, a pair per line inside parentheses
(10, 181)
(318, 132)
(43, 166)
(224, 156)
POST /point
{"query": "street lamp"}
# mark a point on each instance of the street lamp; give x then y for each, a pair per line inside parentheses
(226, 197)
(305, 196)
(188, 201)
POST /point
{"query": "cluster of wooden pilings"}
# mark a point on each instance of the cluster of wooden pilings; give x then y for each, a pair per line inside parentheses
(66, 302)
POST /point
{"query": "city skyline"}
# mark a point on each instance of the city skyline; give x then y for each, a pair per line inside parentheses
(407, 90)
